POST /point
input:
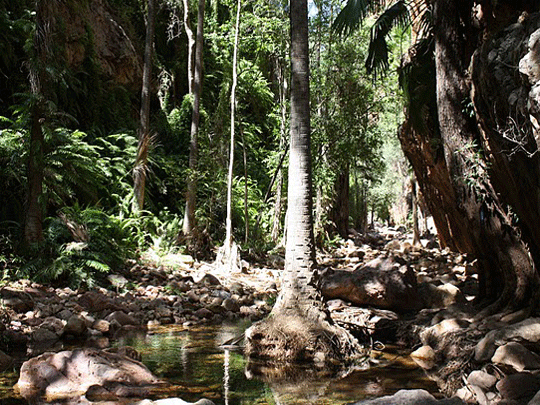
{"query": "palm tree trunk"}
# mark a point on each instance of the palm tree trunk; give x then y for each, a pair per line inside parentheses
(299, 327)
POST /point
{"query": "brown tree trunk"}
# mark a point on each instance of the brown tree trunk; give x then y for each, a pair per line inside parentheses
(141, 163)
(340, 209)
(189, 228)
(299, 328)
(506, 270)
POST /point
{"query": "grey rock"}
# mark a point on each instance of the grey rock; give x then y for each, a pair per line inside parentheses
(410, 397)
(481, 379)
(516, 355)
(122, 318)
(75, 326)
(519, 386)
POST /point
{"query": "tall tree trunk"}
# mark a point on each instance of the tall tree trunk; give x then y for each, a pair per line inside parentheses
(141, 163)
(33, 217)
(506, 270)
(299, 327)
(228, 256)
(414, 209)
(191, 45)
(189, 228)
(340, 208)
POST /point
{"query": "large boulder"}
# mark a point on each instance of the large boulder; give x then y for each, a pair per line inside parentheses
(381, 283)
(70, 374)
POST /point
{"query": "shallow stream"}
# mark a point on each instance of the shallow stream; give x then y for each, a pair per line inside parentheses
(193, 361)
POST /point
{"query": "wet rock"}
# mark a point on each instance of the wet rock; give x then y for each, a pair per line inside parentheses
(70, 374)
(519, 387)
(517, 356)
(410, 397)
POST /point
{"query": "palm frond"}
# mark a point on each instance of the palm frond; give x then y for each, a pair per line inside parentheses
(352, 16)
(397, 15)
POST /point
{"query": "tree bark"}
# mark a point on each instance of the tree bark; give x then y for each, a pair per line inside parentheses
(141, 163)
(340, 209)
(189, 227)
(191, 45)
(506, 271)
(299, 327)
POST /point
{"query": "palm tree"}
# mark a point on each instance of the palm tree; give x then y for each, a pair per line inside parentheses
(299, 327)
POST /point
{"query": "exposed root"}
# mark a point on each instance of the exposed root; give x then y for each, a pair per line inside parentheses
(296, 339)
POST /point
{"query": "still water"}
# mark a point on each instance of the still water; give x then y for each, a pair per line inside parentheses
(197, 366)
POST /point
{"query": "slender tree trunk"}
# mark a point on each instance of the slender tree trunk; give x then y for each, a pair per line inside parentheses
(189, 228)
(141, 163)
(191, 45)
(414, 209)
(340, 208)
(299, 327)
(246, 200)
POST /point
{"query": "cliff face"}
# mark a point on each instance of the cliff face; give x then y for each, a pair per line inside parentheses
(91, 29)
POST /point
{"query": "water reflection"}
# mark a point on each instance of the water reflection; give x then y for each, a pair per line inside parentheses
(193, 362)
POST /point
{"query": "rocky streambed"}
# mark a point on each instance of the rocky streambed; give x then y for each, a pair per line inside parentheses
(381, 287)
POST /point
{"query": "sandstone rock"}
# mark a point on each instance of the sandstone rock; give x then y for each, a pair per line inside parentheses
(101, 325)
(70, 374)
(516, 355)
(441, 296)
(382, 283)
(410, 397)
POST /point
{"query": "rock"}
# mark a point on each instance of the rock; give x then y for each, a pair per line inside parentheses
(17, 300)
(535, 400)
(424, 357)
(203, 313)
(75, 326)
(70, 374)
(95, 301)
(174, 401)
(481, 379)
(441, 296)
(410, 397)
(528, 330)
(5, 361)
(101, 325)
(43, 335)
(520, 386)
(230, 304)
(381, 283)
(122, 318)
(516, 355)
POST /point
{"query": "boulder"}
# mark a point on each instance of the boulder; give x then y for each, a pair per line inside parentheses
(5, 361)
(520, 387)
(70, 374)
(517, 356)
(381, 283)
(75, 326)
(122, 318)
(527, 330)
(17, 300)
(425, 357)
(410, 397)
(95, 301)
(481, 379)
(175, 401)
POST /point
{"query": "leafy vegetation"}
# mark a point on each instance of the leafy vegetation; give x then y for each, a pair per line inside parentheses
(90, 144)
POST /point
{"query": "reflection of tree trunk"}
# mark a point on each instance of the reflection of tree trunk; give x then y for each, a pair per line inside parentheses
(189, 229)
(299, 327)
(141, 163)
